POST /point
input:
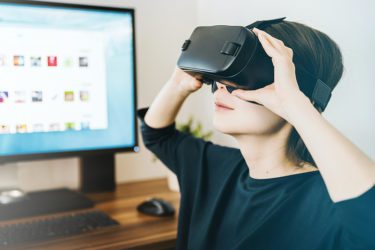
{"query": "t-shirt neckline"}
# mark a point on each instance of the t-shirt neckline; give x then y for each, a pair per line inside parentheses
(280, 178)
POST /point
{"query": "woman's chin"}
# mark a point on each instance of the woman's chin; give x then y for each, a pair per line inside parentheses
(225, 127)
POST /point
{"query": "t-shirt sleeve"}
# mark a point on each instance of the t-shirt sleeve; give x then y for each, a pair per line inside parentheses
(192, 159)
(358, 219)
(170, 145)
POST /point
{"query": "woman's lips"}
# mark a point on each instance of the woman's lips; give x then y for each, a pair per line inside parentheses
(221, 106)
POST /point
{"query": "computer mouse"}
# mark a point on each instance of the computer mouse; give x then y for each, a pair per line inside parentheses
(156, 207)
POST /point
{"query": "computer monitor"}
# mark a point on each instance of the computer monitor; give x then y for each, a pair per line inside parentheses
(67, 80)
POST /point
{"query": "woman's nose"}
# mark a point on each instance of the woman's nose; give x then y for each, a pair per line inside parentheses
(227, 88)
(220, 85)
(216, 86)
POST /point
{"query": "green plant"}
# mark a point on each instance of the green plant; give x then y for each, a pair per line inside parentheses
(190, 129)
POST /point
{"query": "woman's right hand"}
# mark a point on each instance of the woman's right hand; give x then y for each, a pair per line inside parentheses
(186, 83)
(167, 103)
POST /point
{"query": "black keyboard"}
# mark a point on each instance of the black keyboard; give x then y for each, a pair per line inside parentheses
(53, 227)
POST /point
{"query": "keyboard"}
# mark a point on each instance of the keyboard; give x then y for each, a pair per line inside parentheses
(54, 226)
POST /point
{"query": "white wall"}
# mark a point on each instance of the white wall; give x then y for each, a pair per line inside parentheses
(162, 26)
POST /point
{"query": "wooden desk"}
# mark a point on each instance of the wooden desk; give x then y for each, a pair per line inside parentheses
(137, 231)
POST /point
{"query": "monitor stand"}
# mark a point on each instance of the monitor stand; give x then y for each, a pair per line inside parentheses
(98, 173)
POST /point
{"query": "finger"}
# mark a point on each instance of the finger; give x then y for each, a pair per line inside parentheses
(248, 95)
(281, 50)
(267, 46)
(273, 40)
(277, 43)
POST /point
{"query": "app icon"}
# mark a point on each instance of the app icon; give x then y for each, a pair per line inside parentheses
(38, 127)
(52, 61)
(54, 127)
(83, 61)
(69, 96)
(20, 96)
(3, 60)
(68, 62)
(37, 96)
(21, 128)
(4, 95)
(69, 125)
(84, 96)
(85, 125)
(4, 129)
(19, 61)
(36, 61)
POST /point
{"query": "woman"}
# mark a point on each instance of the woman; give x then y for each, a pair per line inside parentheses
(294, 183)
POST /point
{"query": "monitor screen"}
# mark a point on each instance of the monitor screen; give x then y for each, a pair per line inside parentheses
(67, 79)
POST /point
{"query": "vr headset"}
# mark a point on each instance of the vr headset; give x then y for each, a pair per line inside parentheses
(233, 55)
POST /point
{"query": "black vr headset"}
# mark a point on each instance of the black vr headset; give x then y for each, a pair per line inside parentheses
(233, 55)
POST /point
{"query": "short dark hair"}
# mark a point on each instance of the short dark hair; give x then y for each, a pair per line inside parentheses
(319, 54)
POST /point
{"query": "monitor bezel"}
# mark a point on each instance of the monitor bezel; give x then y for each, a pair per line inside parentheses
(81, 153)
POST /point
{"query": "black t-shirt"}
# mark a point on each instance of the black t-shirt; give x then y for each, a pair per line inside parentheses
(222, 207)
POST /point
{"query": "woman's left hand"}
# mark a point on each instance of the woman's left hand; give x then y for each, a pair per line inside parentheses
(285, 88)
(346, 177)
